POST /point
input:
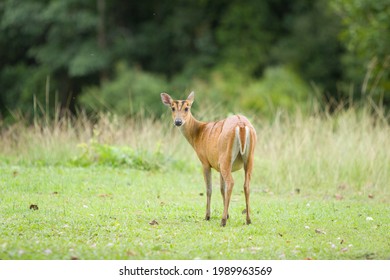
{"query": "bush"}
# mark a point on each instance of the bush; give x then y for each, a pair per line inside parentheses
(131, 91)
(31, 81)
(95, 153)
(280, 87)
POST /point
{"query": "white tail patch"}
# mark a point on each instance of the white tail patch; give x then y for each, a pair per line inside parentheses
(242, 139)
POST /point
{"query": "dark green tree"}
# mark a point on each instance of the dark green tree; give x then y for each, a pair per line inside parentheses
(62, 40)
(101, 48)
(310, 44)
(366, 37)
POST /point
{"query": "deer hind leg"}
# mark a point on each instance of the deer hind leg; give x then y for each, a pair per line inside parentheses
(223, 187)
(248, 166)
(209, 189)
(248, 171)
(225, 165)
(229, 183)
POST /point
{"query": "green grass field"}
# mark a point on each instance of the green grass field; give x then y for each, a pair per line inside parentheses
(125, 189)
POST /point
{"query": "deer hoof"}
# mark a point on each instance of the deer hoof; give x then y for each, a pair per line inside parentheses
(223, 222)
(248, 221)
(207, 218)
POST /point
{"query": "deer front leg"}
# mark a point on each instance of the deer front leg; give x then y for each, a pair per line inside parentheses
(209, 189)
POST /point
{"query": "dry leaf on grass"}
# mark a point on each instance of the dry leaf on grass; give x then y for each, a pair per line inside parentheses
(320, 231)
(34, 207)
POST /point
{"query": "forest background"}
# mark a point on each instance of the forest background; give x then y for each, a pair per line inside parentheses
(258, 56)
(91, 166)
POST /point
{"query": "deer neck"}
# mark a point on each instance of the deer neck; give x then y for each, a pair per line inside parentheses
(192, 129)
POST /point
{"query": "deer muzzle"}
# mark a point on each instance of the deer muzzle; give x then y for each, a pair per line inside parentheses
(178, 122)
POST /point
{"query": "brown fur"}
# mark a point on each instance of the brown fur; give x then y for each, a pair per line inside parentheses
(218, 146)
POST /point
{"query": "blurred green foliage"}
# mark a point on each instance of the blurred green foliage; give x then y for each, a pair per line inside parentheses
(366, 37)
(127, 93)
(261, 55)
(269, 93)
(95, 153)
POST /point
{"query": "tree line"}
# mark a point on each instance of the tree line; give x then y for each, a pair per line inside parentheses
(119, 55)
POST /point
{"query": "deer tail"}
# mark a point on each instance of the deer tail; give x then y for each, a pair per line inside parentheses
(242, 134)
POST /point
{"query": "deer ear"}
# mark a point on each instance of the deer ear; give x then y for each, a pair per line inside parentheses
(191, 97)
(166, 99)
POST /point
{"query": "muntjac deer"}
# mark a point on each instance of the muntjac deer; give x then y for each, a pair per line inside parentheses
(226, 145)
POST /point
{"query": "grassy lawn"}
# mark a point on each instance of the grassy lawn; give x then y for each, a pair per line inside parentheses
(120, 189)
(116, 213)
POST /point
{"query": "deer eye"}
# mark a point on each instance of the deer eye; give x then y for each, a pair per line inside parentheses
(173, 109)
(186, 109)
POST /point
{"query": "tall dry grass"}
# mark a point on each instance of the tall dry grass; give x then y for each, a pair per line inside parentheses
(345, 153)
(58, 141)
(339, 154)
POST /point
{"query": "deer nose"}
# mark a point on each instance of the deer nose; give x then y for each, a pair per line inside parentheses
(178, 122)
